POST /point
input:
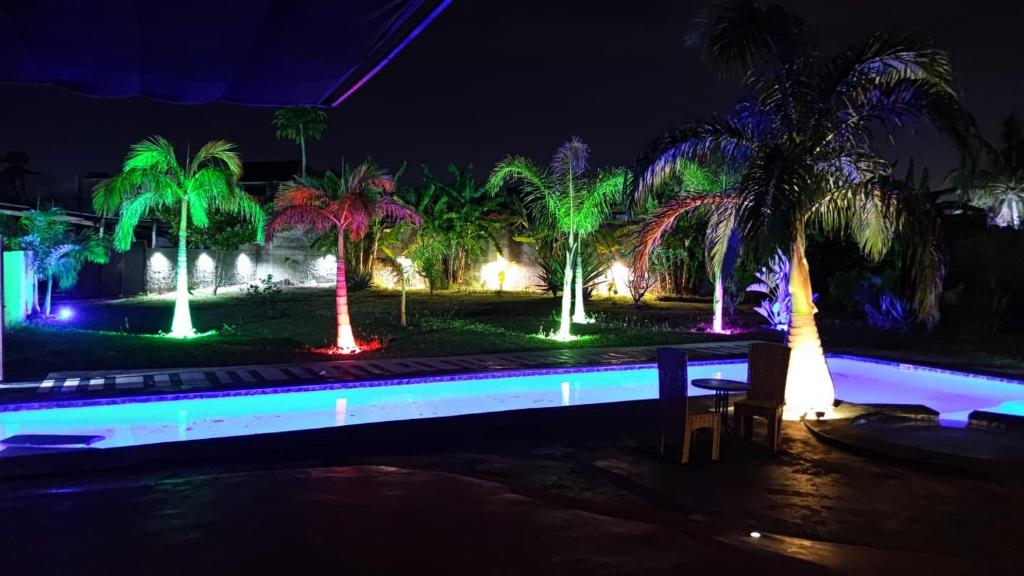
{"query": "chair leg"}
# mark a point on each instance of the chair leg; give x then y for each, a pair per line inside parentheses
(773, 433)
(687, 434)
(716, 438)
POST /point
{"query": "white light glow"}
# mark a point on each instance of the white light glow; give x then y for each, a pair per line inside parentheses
(502, 275)
(159, 264)
(325, 268)
(244, 269)
(616, 280)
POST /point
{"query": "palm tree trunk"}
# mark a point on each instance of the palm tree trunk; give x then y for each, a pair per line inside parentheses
(717, 324)
(401, 316)
(181, 327)
(565, 326)
(49, 295)
(302, 146)
(809, 387)
(345, 341)
(35, 293)
(579, 316)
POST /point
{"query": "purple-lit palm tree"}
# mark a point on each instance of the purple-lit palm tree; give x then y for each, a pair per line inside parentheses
(347, 204)
(802, 145)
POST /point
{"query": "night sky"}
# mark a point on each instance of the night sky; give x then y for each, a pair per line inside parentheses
(490, 77)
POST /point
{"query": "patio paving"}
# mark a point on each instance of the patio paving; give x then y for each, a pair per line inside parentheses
(85, 384)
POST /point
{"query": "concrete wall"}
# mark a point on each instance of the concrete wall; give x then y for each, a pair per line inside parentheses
(238, 267)
(17, 288)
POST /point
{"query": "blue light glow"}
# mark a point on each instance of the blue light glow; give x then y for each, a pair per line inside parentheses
(137, 422)
(65, 313)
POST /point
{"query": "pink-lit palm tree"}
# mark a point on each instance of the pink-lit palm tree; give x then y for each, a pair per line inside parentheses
(347, 203)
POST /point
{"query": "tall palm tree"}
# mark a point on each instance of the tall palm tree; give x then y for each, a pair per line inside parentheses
(152, 180)
(721, 238)
(569, 200)
(65, 260)
(346, 204)
(801, 144)
(300, 123)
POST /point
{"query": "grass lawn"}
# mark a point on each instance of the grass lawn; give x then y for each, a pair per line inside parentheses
(290, 326)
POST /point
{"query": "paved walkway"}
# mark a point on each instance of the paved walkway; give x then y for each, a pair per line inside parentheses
(81, 385)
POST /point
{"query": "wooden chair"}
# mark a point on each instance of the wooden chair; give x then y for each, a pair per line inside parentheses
(767, 369)
(674, 419)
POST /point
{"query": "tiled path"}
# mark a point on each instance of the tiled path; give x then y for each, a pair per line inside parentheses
(79, 385)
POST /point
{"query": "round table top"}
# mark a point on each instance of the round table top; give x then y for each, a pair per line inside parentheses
(720, 384)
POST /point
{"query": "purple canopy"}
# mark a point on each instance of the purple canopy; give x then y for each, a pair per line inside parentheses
(259, 52)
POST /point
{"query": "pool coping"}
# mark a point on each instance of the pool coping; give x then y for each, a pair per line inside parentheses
(427, 378)
(196, 382)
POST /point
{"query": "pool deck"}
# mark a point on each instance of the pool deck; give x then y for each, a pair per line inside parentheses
(73, 386)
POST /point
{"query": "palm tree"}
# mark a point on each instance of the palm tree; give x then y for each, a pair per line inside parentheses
(152, 180)
(801, 144)
(565, 198)
(300, 123)
(346, 204)
(44, 230)
(721, 239)
(65, 260)
(401, 269)
(1000, 187)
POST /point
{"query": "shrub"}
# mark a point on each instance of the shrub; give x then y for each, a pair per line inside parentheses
(552, 273)
(358, 280)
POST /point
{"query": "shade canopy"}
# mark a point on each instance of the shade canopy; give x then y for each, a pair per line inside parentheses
(258, 52)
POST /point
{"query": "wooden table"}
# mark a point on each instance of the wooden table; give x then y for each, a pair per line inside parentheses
(722, 388)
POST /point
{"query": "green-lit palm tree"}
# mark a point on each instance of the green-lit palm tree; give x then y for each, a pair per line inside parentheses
(346, 204)
(565, 197)
(300, 123)
(801, 145)
(152, 180)
(721, 238)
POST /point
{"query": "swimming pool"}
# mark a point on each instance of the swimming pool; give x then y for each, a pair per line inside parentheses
(150, 420)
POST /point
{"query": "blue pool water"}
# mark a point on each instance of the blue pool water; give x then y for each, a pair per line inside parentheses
(165, 419)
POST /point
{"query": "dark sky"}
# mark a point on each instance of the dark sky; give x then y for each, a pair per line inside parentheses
(492, 77)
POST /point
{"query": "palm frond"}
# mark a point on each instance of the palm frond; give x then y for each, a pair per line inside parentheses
(132, 211)
(298, 205)
(658, 223)
(218, 153)
(154, 154)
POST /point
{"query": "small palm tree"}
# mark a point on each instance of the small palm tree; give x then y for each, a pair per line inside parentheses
(65, 260)
(801, 144)
(566, 198)
(152, 180)
(346, 204)
(721, 239)
(44, 230)
(1000, 187)
(401, 270)
(300, 123)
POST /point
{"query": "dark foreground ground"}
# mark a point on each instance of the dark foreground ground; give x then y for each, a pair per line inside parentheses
(486, 495)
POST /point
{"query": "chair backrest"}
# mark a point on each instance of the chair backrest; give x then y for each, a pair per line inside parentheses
(766, 371)
(672, 396)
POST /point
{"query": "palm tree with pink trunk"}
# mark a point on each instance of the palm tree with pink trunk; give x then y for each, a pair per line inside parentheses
(346, 203)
